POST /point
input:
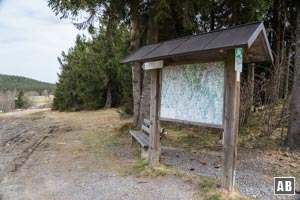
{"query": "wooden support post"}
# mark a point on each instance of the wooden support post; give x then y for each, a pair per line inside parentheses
(159, 100)
(154, 147)
(231, 123)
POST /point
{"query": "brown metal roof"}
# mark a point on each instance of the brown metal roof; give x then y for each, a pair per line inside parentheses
(246, 36)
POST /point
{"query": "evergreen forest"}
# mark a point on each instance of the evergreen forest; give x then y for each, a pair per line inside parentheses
(18, 83)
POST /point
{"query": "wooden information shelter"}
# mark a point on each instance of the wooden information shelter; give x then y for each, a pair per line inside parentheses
(202, 68)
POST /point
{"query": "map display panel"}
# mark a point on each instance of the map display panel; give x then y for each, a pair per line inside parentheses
(193, 93)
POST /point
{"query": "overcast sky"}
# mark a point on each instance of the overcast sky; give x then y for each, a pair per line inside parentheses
(31, 39)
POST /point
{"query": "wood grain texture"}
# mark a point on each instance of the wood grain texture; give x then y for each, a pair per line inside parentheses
(231, 122)
(154, 147)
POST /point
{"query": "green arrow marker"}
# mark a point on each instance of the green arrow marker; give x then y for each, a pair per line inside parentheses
(239, 53)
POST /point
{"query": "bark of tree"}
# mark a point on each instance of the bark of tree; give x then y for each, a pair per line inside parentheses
(212, 20)
(251, 75)
(152, 37)
(108, 96)
(110, 34)
(287, 71)
(291, 16)
(293, 139)
(283, 49)
(276, 45)
(136, 67)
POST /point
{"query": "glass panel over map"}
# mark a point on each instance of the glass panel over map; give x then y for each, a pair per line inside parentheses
(193, 93)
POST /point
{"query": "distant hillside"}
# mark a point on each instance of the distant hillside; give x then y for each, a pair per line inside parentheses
(8, 82)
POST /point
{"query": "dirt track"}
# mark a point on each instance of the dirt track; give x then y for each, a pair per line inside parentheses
(50, 155)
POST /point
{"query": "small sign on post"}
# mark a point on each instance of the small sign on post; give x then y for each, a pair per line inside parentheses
(153, 65)
(238, 62)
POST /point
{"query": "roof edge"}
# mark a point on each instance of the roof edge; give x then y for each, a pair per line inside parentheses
(123, 61)
(261, 28)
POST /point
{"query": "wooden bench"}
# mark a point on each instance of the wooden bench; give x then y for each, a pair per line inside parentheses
(143, 137)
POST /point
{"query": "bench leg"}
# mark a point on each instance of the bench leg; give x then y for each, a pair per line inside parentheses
(144, 153)
(160, 151)
(131, 141)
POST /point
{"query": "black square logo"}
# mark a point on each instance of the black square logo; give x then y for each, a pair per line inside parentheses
(284, 185)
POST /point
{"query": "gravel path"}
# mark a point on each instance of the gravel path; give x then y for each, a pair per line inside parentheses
(254, 176)
(102, 186)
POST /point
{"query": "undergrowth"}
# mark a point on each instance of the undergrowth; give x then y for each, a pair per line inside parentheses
(190, 137)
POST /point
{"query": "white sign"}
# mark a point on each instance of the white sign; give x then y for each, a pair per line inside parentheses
(153, 65)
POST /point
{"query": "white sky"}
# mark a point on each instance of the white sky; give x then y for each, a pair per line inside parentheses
(31, 39)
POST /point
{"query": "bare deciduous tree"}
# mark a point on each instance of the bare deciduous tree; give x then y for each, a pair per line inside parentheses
(293, 139)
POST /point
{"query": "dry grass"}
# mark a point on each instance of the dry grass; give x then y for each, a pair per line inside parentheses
(266, 128)
(140, 169)
(40, 101)
(210, 190)
(191, 137)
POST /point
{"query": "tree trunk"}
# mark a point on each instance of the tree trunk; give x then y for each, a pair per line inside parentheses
(250, 77)
(287, 71)
(152, 34)
(110, 34)
(212, 19)
(152, 37)
(293, 139)
(276, 43)
(108, 96)
(136, 91)
(283, 50)
(136, 68)
(145, 98)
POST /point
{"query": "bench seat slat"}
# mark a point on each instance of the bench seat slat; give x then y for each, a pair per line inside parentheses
(141, 137)
(145, 128)
(147, 122)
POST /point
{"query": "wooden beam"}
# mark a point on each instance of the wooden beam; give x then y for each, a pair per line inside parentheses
(192, 123)
(154, 146)
(231, 123)
(245, 55)
(211, 56)
(160, 129)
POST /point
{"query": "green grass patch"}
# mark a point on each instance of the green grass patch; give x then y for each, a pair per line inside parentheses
(208, 185)
(141, 169)
(209, 189)
(99, 140)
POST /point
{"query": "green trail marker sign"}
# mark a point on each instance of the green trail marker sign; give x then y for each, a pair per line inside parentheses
(239, 59)
(238, 62)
